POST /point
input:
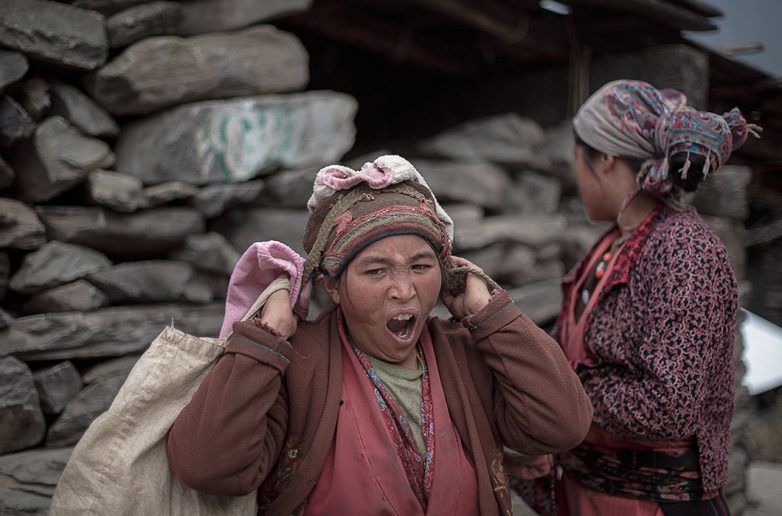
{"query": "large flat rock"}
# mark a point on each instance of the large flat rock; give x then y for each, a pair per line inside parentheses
(21, 420)
(142, 21)
(55, 264)
(54, 32)
(146, 281)
(57, 386)
(230, 141)
(57, 158)
(20, 227)
(77, 296)
(13, 66)
(163, 71)
(35, 471)
(531, 230)
(141, 234)
(202, 16)
(109, 332)
(81, 111)
(245, 226)
(478, 183)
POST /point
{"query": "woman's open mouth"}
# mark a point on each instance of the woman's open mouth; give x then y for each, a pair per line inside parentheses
(402, 325)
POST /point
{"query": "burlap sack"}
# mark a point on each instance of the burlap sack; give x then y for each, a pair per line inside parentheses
(119, 467)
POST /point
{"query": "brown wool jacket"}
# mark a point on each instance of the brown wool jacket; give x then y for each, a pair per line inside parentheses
(264, 418)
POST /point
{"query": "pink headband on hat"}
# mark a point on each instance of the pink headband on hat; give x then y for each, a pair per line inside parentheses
(384, 171)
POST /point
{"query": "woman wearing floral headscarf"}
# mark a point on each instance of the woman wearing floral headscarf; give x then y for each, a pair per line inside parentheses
(376, 407)
(648, 315)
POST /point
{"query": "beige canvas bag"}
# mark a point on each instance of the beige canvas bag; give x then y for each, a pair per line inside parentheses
(120, 467)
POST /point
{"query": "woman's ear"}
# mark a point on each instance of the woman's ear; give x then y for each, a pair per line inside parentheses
(330, 286)
(606, 162)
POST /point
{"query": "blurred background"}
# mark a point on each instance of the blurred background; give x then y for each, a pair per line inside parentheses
(144, 145)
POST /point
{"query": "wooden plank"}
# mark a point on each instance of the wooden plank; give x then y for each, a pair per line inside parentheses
(657, 10)
(699, 7)
(349, 23)
(493, 17)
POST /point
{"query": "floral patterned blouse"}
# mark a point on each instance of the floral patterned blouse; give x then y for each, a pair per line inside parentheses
(663, 331)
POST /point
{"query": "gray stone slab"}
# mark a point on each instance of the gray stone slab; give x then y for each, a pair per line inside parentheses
(56, 263)
(34, 95)
(57, 385)
(13, 66)
(502, 262)
(140, 79)
(680, 66)
(558, 149)
(54, 32)
(6, 173)
(5, 273)
(117, 366)
(88, 404)
(16, 502)
(506, 138)
(245, 226)
(724, 193)
(765, 479)
(21, 421)
(15, 123)
(213, 200)
(107, 7)
(140, 234)
(483, 184)
(35, 470)
(5, 319)
(209, 252)
(109, 332)
(142, 21)
(234, 140)
(81, 111)
(540, 301)
(77, 296)
(116, 191)
(530, 230)
(533, 193)
(20, 227)
(201, 16)
(170, 191)
(56, 159)
(143, 282)
(289, 188)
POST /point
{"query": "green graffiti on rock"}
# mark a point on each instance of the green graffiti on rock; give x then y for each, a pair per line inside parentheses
(238, 143)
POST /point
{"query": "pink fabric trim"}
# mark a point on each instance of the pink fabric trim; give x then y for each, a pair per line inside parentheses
(261, 264)
(572, 329)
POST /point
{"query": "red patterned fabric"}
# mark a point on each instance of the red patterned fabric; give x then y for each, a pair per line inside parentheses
(418, 468)
(662, 333)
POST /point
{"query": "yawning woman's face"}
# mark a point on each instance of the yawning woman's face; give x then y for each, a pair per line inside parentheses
(386, 294)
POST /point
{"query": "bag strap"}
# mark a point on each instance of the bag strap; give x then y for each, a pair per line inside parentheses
(280, 283)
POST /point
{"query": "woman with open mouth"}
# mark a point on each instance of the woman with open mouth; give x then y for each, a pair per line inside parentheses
(376, 407)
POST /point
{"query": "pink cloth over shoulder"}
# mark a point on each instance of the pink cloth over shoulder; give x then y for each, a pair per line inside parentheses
(261, 264)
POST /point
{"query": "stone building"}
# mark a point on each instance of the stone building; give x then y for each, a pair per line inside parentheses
(145, 145)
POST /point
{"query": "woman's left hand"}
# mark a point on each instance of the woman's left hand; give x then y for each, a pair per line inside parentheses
(475, 297)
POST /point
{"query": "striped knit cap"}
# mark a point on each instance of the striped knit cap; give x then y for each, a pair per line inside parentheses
(350, 220)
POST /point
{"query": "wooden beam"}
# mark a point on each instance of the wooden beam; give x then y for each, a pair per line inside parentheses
(657, 10)
(546, 38)
(699, 7)
(490, 16)
(349, 23)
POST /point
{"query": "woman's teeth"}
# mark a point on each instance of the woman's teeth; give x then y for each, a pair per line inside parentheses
(400, 325)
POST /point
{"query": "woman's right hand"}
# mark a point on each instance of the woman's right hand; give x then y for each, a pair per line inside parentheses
(278, 314)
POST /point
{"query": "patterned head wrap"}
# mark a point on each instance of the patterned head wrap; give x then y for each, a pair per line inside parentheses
(350, 210)
(632, 119)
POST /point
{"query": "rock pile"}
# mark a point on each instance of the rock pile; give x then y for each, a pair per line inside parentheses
(145, 145)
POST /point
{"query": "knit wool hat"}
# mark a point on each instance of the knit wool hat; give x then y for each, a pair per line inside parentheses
(342, 225)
